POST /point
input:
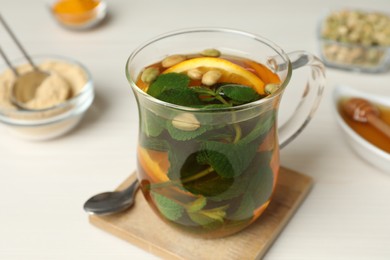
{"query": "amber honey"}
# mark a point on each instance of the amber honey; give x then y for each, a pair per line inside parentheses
(367, 131)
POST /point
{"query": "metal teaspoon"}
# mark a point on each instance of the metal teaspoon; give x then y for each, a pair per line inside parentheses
(113, 201)
(26, 84)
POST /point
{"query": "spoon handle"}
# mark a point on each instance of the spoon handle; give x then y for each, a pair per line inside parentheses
(9, 64)
(132, 189)
(8, 29)
(379, 124)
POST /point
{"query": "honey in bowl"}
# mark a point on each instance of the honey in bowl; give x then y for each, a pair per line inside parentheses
(367, 131)
(208, 173)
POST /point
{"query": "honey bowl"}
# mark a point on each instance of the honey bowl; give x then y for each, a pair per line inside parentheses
(374, 151)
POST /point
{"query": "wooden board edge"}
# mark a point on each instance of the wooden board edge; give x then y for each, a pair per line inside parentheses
(134, 240)
(297, 204)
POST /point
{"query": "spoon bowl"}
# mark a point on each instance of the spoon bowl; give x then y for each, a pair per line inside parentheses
(113, 201)
(25, 86)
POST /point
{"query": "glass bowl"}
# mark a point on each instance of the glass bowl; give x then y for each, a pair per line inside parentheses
(48, 123)
(80, 21)
(368, 151)
(347, 44)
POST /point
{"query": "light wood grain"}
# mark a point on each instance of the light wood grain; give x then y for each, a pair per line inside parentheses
(141, 227)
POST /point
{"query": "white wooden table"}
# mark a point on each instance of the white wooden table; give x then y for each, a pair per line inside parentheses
(43, 185)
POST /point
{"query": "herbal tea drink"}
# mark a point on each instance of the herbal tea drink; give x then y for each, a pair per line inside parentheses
(208, 149)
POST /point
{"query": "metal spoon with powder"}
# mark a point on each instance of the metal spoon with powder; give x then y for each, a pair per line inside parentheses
(25, 85)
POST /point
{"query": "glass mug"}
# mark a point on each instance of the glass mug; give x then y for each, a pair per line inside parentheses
(212, 172)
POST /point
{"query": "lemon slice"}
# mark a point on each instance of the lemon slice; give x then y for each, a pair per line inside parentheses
(231, 73)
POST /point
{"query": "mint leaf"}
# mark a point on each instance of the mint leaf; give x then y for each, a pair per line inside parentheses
(246, 208)
(180, 156)
(152, 125)
(210, 186)
(201, 219)
(239, 93)
(173, 88)
(211, 106)
(168, 81)
(228, 160)
(262, 185)
(168, 207)
(181, 135)
(153, 143)
(259, 186)
(180, 96)
(209, 218)
(237, 187)
(263, 126)
(216, 213)
(197, 204)
(203, 90)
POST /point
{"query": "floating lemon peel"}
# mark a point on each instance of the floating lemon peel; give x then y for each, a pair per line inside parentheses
(231, 72)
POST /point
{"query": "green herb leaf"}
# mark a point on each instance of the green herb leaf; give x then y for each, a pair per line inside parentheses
(228, 160)
(262, 185)
(153, 143)
(168, 81)
(259, 186)
(203, 90)
(152, 125)
(239, 93)
(182, 97)
(180, 156)
(168, 207)
(197, 204)
(216, 213)
(210, 106)
(246, 208)
(262, 127)
(210, 217)
(182, 135)
(210, 186)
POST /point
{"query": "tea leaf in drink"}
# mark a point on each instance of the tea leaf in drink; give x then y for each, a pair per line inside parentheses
(180, 154)
(261, 128)
(220, 156)
(259, 187)
(262, 185)
(238, 93)
(211, 106)
(209, 218)
(210, 186)
(168, 81)
(246, 208)
(153, 143)
(173, 88)
(185, 135)
(182, 97)
(168, 207)
(197, 204)
(205, 91)
(153, 125)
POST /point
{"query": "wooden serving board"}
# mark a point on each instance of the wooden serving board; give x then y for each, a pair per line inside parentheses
(141, 227)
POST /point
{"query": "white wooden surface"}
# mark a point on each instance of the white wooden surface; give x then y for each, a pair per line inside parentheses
(43, 185)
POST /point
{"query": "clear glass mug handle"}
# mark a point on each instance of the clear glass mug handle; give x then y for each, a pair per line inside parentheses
(310, 98)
